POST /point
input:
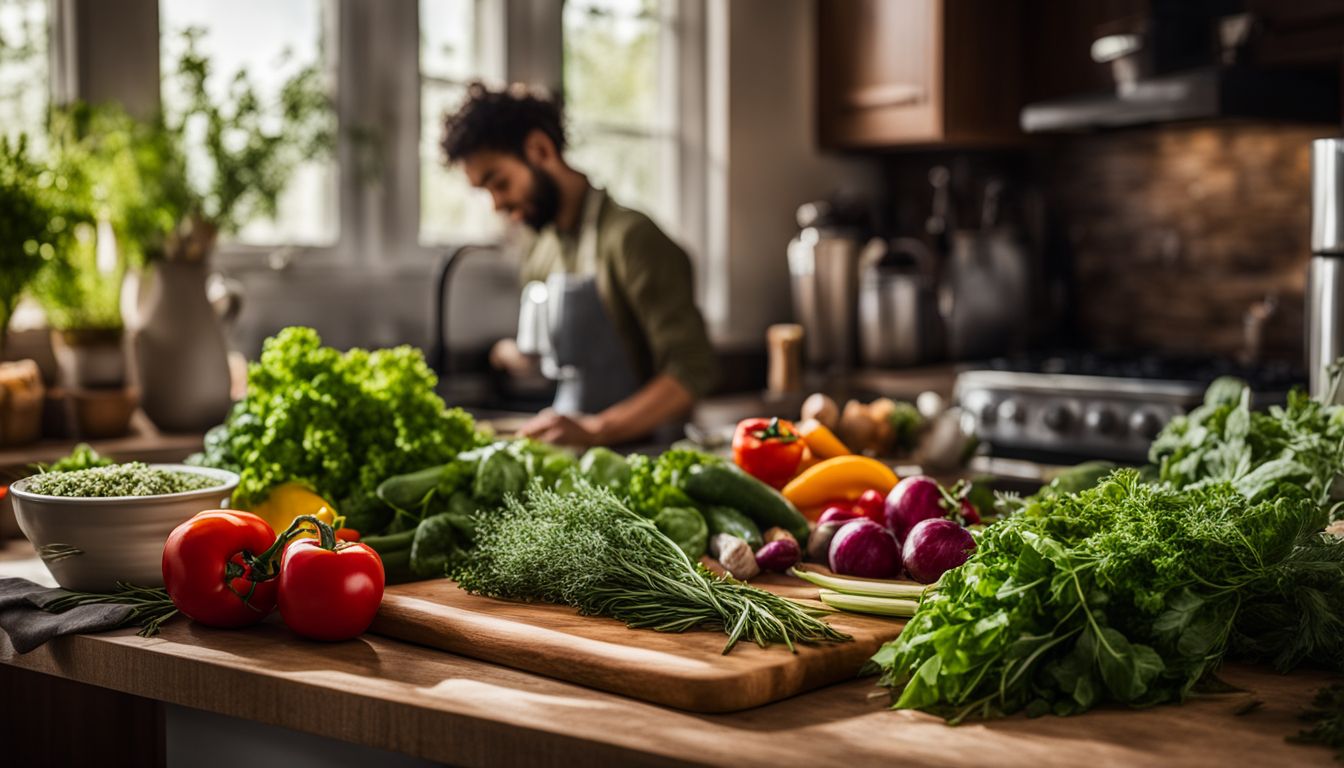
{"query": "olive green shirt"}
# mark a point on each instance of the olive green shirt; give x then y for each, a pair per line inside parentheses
(646, 284)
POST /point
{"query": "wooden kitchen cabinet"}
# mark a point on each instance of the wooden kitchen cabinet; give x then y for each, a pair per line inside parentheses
(918, 72)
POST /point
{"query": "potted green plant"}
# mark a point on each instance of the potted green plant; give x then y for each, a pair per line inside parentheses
(80, 290)
(168, 207)
(35, 225)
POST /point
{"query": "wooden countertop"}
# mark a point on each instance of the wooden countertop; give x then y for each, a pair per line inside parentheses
(435, 705)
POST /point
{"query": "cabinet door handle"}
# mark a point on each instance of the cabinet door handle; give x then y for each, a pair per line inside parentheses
(885, 95)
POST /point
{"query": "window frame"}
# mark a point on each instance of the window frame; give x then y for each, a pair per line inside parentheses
(376, 47)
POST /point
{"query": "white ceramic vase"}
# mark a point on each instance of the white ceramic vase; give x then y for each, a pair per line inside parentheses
(181, 357)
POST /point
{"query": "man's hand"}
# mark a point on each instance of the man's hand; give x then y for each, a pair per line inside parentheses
(551, 427)
(662, 399)
(505, 356)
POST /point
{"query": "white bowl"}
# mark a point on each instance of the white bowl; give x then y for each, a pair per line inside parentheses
(89, 543)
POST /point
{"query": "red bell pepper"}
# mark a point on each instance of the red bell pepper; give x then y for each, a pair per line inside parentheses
(769, 450)
(211, 570)
(329, 589)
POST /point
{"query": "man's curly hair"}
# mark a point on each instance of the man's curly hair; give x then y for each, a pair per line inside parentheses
(500, 121)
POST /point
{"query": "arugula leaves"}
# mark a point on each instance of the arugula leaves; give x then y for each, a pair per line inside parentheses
(1263, 453)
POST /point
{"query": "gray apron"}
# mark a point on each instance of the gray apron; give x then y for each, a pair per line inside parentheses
(580, 347)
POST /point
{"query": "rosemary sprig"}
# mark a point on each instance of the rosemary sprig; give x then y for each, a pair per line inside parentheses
(150, 606)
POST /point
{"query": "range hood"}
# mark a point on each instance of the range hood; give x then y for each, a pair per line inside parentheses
(1207, 93)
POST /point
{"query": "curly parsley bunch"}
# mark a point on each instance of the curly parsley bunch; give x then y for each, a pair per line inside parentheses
(338, 422)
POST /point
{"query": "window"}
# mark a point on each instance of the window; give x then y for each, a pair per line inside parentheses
(620, 100)
(268, 41)
(23, 68)
(455, 48)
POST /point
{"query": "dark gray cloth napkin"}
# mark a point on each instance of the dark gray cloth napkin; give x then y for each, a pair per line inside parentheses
(22, 616)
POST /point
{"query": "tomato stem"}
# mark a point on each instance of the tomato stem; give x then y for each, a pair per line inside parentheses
(265, 566)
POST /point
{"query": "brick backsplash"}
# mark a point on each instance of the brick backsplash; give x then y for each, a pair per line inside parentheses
(1176, 231)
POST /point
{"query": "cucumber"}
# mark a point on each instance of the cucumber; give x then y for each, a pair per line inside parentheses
(407, 492)
(730, 521)
(391, 542)
(397, 567)
(727, 486)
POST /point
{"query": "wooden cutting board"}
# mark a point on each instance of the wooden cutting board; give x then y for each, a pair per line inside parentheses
(686, 671)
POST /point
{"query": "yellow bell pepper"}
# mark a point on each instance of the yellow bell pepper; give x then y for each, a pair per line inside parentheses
(842, 477)
(288, 501)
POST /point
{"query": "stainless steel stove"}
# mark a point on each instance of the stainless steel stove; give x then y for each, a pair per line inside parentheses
(1073, 408)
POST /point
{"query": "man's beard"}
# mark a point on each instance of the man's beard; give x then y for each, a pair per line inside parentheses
(545, 201)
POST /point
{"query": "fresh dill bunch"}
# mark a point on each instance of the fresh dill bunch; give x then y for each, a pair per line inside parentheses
(588, 550)
(1327, 718)
(1294, 613)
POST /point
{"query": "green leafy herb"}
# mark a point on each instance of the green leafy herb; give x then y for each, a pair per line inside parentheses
(250, 147)
(588, 550)
(1261, 452)
(656, 483)
(1327, 718)
(338, 422)
(82, 457)
(1127, 592)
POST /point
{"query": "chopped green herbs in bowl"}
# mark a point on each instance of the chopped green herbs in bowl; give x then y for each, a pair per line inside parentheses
(96, 526)
(133, 479)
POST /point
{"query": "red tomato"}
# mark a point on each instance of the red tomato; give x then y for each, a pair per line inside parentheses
(769, 450)
(969, 514)
(206, 564)
(872, 505)
(330, 594)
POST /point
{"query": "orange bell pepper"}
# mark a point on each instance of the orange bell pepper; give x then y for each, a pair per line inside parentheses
(821, 441)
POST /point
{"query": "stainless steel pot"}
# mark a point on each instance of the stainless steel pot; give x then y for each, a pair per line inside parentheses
(823, 271)
(897, 314)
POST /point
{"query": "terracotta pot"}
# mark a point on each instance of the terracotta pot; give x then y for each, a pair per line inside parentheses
(180, 353)
(98, 414)
(9, 527)
(90, 357)
(21, 403)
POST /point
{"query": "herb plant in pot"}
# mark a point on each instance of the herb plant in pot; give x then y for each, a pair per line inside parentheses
(176, 203)
(34, 224)
(80, 290)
